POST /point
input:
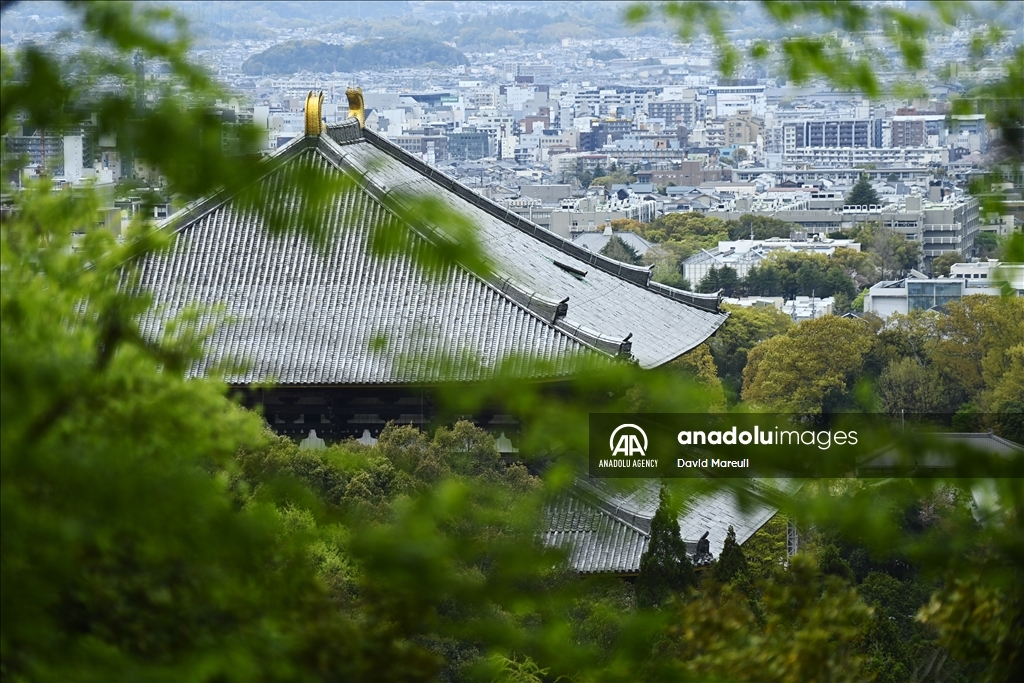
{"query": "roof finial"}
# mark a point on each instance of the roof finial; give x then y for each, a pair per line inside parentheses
(356, 109)
(314, 105)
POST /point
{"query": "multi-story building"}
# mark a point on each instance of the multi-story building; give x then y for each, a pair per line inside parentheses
(691, 173)
(622, 102)
(919, 294)
(424, 146)
(470, 143)
(742, 129)
(41, 151)
(728, 99)
(938, 226)
(844, 157)
(677, 112)
(832, 133)
(919, 130)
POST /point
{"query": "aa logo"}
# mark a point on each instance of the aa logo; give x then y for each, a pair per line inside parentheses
(628, 440)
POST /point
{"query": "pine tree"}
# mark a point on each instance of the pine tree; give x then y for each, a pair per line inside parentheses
(724, 278)
(665, 568)
(862, 194)
(618, 250)
(732, 563)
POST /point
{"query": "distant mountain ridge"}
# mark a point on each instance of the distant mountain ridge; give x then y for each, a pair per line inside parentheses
(294, 56)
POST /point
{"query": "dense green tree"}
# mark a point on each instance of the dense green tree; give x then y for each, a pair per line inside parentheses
(722, 279)
(830, 562)
(906, 386)
(122, 557)
(986, 245)
(1008, 420)
(942, 263)
(862, 194)
(892, 252)
(731, 564)
(790, 274)
(761, 227)
(746, 328)
(978, 349)
(689, 232)
(809, 369)
(667, 262)
(618, 250)
(294, 56)
(665, 568)
(767, 550)
(896, 254)
(807, 626)
(698, 366)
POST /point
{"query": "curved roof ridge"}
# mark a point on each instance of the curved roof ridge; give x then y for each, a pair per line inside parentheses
(195, 210)
(640, 276)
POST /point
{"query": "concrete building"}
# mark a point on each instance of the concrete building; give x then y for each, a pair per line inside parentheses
(808, 307)
(683, 173)
(469, 144)
(727, 99)
(742, 255)
(743, 129)
(938, 226)
(844, 157)
(990, 273)
(831, 133)
(919, 294)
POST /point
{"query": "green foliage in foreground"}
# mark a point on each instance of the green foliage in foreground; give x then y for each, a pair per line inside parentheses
(153, 531)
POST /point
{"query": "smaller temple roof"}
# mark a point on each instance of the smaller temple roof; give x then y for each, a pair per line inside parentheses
(606, 530)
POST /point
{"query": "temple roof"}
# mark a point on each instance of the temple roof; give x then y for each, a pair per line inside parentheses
(342, 315)
(606, 529)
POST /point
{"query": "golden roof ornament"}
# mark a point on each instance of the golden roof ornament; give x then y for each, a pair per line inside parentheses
(314, 117)
(356, 109)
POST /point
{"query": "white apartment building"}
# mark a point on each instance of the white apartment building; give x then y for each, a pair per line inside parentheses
(742, 255)
(990, 273)
(845, 157)
(605, 102)
(729, 100)
(918, 294)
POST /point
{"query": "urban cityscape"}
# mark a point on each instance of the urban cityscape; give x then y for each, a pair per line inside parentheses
(317, 318)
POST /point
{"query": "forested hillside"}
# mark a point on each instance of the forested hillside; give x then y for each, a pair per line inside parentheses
(370, 55)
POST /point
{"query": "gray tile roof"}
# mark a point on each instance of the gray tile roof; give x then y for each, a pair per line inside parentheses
(596, 241)
(602, 539)
(596, 541)
(712, 512)
(301, 315)
(616, 299)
